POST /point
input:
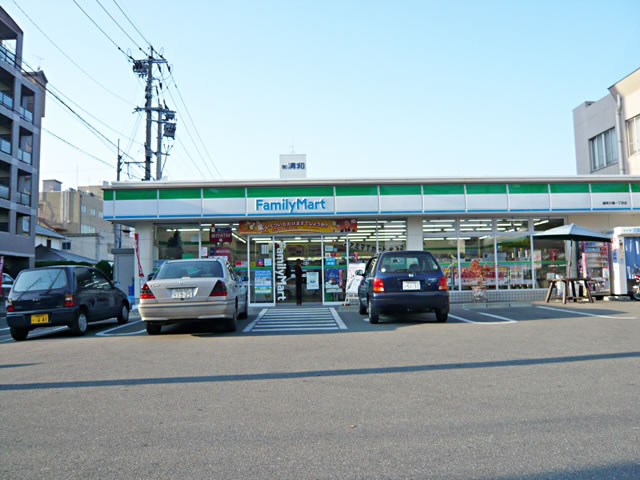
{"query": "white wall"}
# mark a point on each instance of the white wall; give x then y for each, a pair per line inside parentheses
(604, 222)
(591, 119)
(55, 242)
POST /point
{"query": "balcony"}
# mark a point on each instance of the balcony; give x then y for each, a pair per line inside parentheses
(6, 99)
(5, 188)
(24, 199)
(24, 156)
(26, 114)
(7, 56)
(5, 144)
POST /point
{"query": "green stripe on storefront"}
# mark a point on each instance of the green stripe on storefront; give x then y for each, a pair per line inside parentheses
(356, 190)
(454, 189)
(180, 193)
(610, 188)
(223, 192)
(146, 194)
(486, 189)
(635, 187)
(108, 195)
(528, 188)
(400, 190)
(290, 192)
(569, 187)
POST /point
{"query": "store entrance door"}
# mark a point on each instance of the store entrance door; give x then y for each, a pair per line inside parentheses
(307, 252)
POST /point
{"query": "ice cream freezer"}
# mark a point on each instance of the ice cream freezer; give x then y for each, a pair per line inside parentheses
(625, 258)
(593, 263)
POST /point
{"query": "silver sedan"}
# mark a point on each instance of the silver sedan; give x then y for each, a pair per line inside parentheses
(205, 289)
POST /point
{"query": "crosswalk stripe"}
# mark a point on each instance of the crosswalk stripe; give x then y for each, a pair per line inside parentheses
(296, 320)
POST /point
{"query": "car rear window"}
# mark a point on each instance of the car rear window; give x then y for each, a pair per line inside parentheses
(191, 269)
(34, 280)
(408, 263)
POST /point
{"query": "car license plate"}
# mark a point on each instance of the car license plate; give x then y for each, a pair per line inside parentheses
(182, 293)
(39, 318)
(413, 285)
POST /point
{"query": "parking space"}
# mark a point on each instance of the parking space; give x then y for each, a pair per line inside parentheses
(318, 320)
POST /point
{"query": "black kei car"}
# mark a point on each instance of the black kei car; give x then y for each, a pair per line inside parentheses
(403, 281)
(63, 295)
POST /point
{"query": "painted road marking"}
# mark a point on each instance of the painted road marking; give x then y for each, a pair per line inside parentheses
(507, 320)
(106, 333)
(466, 320)
(296, 320)
(38, 333)
(585, 313)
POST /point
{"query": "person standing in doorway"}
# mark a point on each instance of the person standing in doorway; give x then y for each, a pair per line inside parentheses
(299, 273)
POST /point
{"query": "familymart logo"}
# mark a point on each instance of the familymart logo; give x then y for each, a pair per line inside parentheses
(291, 205)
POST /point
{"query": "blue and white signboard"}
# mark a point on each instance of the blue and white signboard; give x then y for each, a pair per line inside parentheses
(293, 165)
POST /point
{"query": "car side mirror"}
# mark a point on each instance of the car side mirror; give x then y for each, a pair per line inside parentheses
(360, 273)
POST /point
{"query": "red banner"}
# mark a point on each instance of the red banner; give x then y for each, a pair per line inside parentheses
(140, 272)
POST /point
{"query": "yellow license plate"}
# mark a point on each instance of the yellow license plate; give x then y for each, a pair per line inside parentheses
(40, 318)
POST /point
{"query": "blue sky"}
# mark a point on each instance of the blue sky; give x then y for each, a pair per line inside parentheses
(365, 89)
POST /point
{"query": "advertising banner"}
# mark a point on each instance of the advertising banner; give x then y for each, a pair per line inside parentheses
(140, 273)
(262, 282)
(297, 226)
(223, 252)
(313, 280)
(220, 235)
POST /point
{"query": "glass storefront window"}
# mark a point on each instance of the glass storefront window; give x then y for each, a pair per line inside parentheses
(549, 256)
(541, 224)
(224, 240)
(445, 251)
(261, 270)
(477, 266)
(469, 226)
(514, 262)
(363, 244)
(510, 225)
(175, 241)
(445, 226)
(392, 235)
(335, 269)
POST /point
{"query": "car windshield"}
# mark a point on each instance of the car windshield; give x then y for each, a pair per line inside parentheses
(408, 263)
(190, 269)
(33, 280)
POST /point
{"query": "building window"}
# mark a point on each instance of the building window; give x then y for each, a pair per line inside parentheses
(633, 134)
(83, 209)
(87, 229)
(93, 212)
(66, 245)
(602, 149)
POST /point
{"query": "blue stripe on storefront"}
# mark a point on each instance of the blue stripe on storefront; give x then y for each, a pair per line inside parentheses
(444, 211)
(190, 215)
(604, 209)
(480, 211)
(400, 211)
(354, 212)
(529, 210)
(209, 214)
(570, 209)
(297, 214)
(135, 216)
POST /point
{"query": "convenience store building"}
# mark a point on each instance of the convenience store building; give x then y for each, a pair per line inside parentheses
(481, 230)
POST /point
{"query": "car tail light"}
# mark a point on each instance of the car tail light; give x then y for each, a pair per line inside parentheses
(146, 292)
(378, 285)
(637, 277)
(442, 283)
(68, 300)
(219, 290)
(9, 305)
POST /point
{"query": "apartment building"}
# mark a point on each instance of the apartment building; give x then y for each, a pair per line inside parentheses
(79, 215)
(607, 131)
(22, 100)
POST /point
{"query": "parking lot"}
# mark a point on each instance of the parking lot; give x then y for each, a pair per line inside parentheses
(513, 391)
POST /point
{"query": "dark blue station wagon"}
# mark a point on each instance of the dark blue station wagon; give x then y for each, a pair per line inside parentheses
(63, 295)
(403, 281)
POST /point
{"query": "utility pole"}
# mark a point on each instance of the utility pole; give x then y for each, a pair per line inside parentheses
(147, 107)
(159, 144)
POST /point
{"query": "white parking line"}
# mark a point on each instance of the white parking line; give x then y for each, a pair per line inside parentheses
(253, 324)
(337, 318)
(466, 320)
(38, 333)
(507, 320)
(585, 313)
(105, 333)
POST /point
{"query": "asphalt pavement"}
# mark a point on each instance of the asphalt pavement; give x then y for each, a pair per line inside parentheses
(531, 391)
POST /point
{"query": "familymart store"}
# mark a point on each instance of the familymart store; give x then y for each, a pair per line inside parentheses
(481, 230)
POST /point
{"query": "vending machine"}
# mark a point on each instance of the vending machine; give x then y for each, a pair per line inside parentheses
(625, 258)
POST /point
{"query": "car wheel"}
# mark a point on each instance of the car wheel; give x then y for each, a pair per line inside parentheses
(442, 315)
(363, 308)
(635, 294)
(123, 316)
(245, 312)
(19, 334)
(373, 314)
(232, 323)
(153, 328)
(80, 323)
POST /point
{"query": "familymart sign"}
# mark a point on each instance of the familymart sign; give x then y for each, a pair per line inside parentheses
(312, 202)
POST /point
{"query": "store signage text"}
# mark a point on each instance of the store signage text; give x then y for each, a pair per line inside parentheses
(281, 276)
(290, 205)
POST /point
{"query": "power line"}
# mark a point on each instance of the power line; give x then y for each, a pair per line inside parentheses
(103, 32)
(192, 122)
(120, 26)
(132, 24)
(68, 57)
(78, 148)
